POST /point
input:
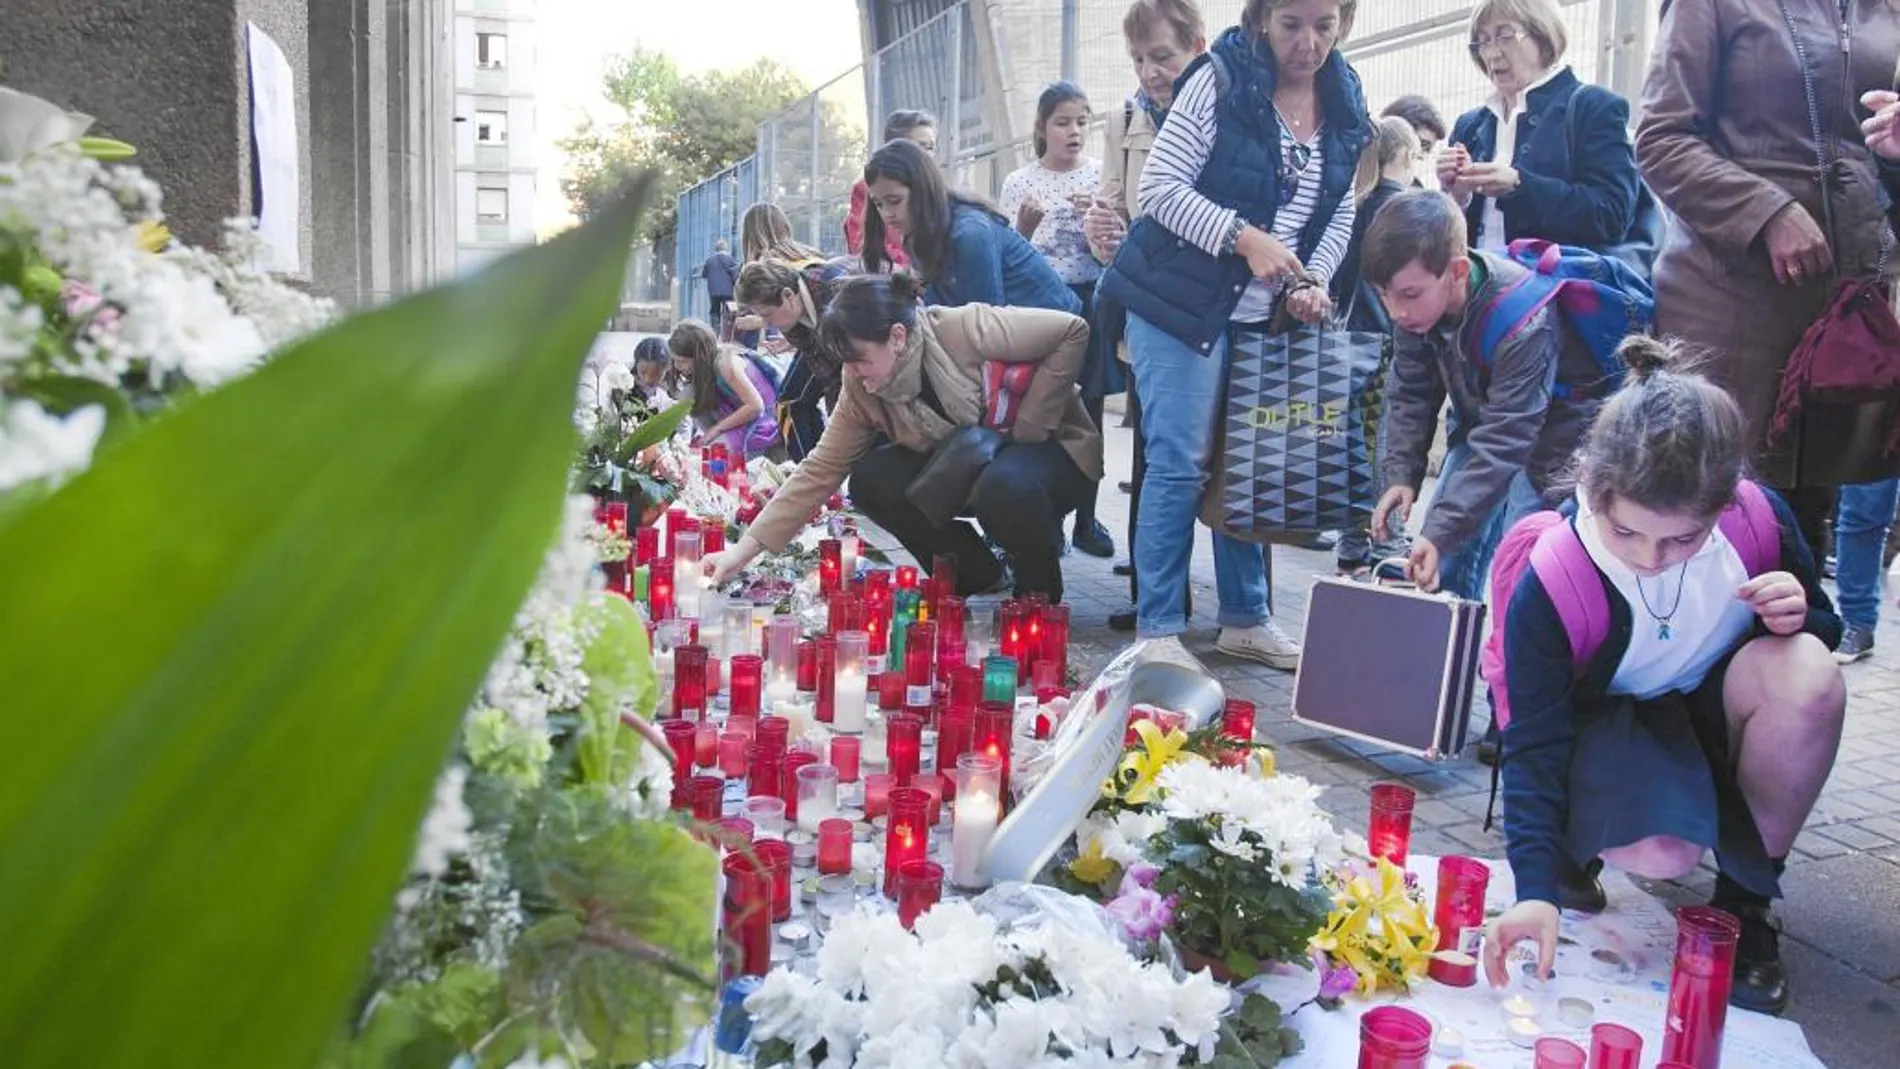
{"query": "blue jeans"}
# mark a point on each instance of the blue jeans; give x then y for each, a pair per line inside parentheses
(1180, 400)
(1860, 537)
(1463, 570)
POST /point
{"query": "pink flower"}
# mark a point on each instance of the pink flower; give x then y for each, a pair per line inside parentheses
(1140, 874)
(82, 301)
(1335, 984)
(1142, 913)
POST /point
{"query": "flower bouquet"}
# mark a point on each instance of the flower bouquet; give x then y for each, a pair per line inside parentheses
(1378, 936)
(621, 437)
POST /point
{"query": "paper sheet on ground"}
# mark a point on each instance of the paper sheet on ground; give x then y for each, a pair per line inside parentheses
(1617, 961)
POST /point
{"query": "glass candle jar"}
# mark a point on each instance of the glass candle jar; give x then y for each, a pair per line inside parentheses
(979, 808)
(712, 536)
(999, 678)
(933, 785)
(848, 545)
(1392, 1037)
(906, 834)
(837, 896)
(825, 671)
(807, 680)
(1389, 829)
(834, 846)
(965, 689)
(906, 577)
(767, 814)
(920, 663)
(830, 566)
(737, 624)
(679, 736)
(646, 545)
(708, 795)
(1552, 1052)
(1699, 986)
(1613, 1046)
(746, 916)
(748, 676)
(903, 745)
(688, 583)
(956, 733)
(732, 833)
(844, 757)
(1459, 916)
(661, 604)
(677, 519)
(948, 616)
(994, 733)
(817, 795)
(943, 568)
(877, 794)
(1237, 720)
(781, 660)
(706, 745)
(844, 611)
(776, 855)
(849, 687)
(1055, 640)
(795, 759)
(689, 682)
(732, 747)
(773, 733)
(919, 887)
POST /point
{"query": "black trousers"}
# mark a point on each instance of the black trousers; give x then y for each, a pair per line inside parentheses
(1813, 508)
(1020, 500)
(717, 313)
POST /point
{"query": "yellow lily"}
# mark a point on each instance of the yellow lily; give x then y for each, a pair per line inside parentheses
(1383, 932)
(1091, 867)
(153, 237)
(1134, 779)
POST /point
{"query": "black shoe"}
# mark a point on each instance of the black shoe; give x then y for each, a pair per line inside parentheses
(1094, 540)
(1580, 890)
(1125, 569)
(1122, 621)
(1760, 982)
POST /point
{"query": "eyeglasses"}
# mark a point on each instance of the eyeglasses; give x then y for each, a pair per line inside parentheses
(1505, 37)
(1292, 168)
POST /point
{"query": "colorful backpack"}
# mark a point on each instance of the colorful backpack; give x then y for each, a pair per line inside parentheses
(1548, 544)
(1604, 299)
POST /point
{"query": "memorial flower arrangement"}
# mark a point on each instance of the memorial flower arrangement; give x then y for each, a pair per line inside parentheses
(105, 320)
(1378, 936)
(623, 454)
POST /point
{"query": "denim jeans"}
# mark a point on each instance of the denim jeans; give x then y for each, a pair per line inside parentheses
(1463, 570)
(1180, 399)
(1860, 537)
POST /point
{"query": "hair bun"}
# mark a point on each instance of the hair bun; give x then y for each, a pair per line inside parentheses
(905, 285)
(1645, 356)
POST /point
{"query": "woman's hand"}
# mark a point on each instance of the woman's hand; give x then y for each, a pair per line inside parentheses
(748, 323)
(1882, 132)
(1778, 599)
(1396, 504)
(1028, 217)
(1490, 179)
(1526, 920)
(1266, 257)
(1796, 246)
(776, 346)
(1104, 228)
(1452, 161)
(723, 567)
(1310, 304)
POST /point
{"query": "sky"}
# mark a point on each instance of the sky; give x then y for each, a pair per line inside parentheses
(816, 39)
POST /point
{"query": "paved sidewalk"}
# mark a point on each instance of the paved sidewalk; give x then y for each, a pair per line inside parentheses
(1842, 915)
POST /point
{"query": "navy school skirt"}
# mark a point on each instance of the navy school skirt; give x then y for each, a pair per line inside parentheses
(1663, 767)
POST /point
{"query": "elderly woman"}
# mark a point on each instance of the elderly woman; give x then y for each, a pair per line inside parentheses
(1728, 143)
(1546, 156)
(1248, 192)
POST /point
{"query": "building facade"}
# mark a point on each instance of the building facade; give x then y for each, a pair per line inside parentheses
(494, 129)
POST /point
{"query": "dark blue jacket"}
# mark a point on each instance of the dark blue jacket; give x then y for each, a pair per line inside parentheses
(1579, 183)
(1546, 702)
(1353, 297)
(990, 263)
(1188, 292)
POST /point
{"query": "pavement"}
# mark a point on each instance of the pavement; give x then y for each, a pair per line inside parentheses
(1842, 914)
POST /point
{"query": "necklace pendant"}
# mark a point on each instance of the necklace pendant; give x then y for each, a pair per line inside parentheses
(1662, 630)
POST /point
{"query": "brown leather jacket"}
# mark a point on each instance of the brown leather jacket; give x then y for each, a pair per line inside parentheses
(1726, 142)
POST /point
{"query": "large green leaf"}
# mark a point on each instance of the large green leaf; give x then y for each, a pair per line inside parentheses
(619, 667)
(235, 652)
(653, 432)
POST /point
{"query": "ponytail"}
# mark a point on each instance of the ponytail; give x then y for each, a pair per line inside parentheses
(1670, 440)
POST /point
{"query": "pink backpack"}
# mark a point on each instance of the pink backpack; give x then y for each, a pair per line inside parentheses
(1549, 545)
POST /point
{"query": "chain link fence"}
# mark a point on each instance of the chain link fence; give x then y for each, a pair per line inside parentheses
(709, 212)
(979, 65)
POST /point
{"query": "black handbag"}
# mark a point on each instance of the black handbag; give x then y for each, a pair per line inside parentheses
(943, 488)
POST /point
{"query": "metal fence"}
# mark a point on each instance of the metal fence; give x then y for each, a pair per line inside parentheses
(978, 65)
(708, 212)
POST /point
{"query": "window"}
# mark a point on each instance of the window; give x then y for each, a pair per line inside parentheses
(491, 127)
(491, 206)
(491, 51)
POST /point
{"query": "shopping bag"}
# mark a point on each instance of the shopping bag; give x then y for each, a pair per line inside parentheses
(1300, 430)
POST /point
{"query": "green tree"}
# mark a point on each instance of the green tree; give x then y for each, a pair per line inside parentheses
(684, 127)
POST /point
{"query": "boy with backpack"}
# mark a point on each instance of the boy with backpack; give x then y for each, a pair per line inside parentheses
(1524, 349)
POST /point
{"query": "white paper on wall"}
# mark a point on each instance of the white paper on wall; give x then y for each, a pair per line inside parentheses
(274, 170)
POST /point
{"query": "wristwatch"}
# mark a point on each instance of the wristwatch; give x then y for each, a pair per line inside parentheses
(1231, 243)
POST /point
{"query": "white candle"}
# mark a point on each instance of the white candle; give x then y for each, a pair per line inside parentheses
(847, 707)
(848, 557)
(976, 815)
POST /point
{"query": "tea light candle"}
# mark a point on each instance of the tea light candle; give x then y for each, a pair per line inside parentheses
(1519, 1006)
(1523, 1031)
(978, 808)
(848, 683)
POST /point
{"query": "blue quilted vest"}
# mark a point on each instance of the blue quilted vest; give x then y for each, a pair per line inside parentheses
(1188, 292)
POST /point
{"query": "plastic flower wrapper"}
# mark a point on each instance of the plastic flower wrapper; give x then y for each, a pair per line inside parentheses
(1378, 928)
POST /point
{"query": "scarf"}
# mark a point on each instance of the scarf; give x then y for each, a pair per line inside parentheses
(1156, 113)
(958, 390)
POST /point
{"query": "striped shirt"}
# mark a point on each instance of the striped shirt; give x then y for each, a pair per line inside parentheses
(1167, 193)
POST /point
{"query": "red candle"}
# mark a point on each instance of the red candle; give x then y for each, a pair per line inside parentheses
(1551, 1052)
(706, 744)
(732, 746)
(1237, 720)
(825, 669)
(689, 682)
(679, 738)
(878, 581)
(1389, 833)
(877, 794)
(933, 785)
(907, 834)
(904, 744)
(776, 855)
(1055, 640)
(747, 680)
(676, 520)
(744, 725)
(732, 833)
(950, 646)
(956, 733)
(1044, 676)
(834, 846)
(1614, 1047)
(747, 916)
(788, 784)
(709, 797)
(943, 568)
(906, 577)
(805, 674)
(966, 688)
(646, 545)
(712, 537)
(890, 688)
(660, 601)
(920, 663)
(830, 566)
(1391, 1037)
(1010, 627)
(845, 611)
(765, 771)
(611, 514)
(1460, 917)
(995, 726)
(1699, 986)
(774, 732)
(844, 757)
(919, 887)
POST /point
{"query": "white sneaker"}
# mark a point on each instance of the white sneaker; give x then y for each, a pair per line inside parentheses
(1167, 651)
(1265, 643)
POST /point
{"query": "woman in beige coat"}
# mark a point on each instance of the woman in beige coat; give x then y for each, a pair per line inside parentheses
(1726, 143)
(1163, 37)
(916, 375)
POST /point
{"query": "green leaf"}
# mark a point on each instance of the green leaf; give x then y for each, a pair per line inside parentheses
(653, 432)
(619, 666)
(235, 654)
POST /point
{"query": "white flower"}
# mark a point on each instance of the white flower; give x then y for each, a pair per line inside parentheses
(445, 830)
(29, 124)
(1228, 840)
(1282, 811)
(37, 445)
(20, 323)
